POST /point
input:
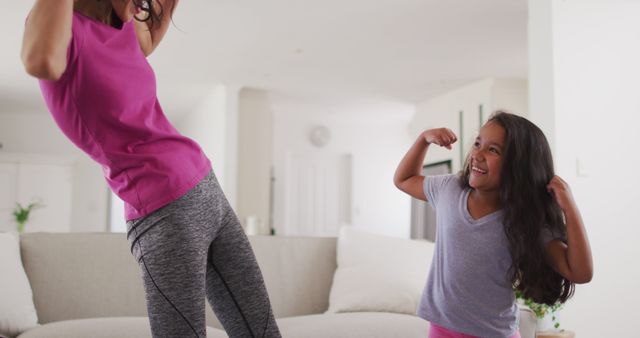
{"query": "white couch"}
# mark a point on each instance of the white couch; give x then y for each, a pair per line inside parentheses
(88, 285)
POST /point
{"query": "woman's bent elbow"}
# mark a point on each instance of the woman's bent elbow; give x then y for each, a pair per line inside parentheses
(42, 67)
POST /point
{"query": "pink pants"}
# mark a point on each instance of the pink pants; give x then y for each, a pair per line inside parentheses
(436, 331)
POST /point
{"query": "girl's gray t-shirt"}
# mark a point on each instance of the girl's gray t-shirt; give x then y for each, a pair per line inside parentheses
(468, 289)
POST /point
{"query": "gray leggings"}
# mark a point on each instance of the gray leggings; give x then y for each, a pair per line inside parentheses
(192, 246)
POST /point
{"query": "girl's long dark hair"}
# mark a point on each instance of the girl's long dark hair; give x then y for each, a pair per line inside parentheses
(529, 209)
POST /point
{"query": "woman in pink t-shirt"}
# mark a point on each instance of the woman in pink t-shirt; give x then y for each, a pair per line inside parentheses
(90, 58)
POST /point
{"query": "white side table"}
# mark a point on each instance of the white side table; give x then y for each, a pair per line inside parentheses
(551, 334)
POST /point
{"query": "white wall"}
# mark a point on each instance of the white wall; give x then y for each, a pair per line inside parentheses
(541, 68)
(255, 149)
(267, 126)
(36, 133)
(213, 124)
(594, 106)
(511, 95)
(374, 133)
(444, 111)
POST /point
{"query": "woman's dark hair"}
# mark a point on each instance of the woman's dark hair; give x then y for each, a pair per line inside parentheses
(529, 209)
(152, 11)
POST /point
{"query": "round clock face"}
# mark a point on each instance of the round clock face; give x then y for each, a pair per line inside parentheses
(319, 136)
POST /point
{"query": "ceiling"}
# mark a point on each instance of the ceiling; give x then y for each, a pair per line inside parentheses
(397, 50)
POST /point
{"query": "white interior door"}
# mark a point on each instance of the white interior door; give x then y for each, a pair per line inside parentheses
(317, 194)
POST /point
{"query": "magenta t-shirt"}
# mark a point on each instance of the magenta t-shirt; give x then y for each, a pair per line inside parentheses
(106, 104)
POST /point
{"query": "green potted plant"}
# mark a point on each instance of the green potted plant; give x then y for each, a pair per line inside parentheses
(547, 314)
(21, 214)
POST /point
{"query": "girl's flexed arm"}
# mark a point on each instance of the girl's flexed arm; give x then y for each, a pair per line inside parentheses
(572, 260)
(408, 177)
(46, 38)
(150, 37)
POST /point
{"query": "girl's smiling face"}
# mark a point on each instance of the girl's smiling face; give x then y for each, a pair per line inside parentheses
(485, 162)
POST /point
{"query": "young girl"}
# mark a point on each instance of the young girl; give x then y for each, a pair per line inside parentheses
(90, 57)
(506, 221)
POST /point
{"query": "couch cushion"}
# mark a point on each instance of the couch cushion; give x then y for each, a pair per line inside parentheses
(354, 325)
(117, 327)
(379, 273)
(17, 312)
(94, 275)
(297, 272)
(76, 276)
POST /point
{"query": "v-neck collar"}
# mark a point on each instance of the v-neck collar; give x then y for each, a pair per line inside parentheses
(104, 25)
(464, 209)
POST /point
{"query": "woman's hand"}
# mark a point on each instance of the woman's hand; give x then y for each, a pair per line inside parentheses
(443, 137)
(561, 192)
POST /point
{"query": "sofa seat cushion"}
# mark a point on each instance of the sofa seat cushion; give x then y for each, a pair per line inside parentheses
(354, 325)
(115, 327)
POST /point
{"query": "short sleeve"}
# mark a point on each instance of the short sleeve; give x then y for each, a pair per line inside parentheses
(547, 235)
(77, 39)
(434, 185)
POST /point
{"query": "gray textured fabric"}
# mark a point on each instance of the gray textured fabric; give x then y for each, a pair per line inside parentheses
(196, 246)
(82, 275)
(468, 289)
(126, 327)
(355, 325)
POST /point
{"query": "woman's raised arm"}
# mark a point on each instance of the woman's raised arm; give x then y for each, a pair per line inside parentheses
(46, 38)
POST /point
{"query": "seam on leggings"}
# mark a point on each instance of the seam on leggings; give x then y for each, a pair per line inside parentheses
(266, 325)
(158, 288)
(138, 236)
(137, 222)
(134, 224)
(135, 240)
(232, 297)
